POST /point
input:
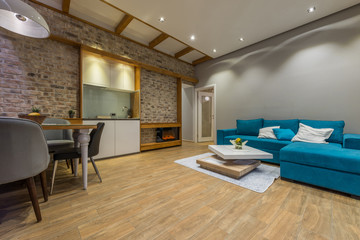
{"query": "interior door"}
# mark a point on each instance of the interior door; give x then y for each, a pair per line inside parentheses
(205, 117)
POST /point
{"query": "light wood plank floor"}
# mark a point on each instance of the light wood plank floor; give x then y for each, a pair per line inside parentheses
(148, 196)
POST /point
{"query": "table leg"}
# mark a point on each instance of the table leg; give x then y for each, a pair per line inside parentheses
(84, 139)
(76, 135)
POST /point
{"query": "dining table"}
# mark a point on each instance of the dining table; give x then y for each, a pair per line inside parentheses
(81, 139)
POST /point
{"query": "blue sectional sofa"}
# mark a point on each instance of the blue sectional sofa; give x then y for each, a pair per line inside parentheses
(335, 165)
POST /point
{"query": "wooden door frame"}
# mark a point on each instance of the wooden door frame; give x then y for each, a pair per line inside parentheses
(200, 119)
(197, 90)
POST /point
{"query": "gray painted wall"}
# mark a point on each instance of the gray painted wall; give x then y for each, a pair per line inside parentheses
(188, 113)
(311, 72)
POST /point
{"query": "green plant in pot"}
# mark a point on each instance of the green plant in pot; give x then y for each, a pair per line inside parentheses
(34, 111)
(238, 143)
(71, 113)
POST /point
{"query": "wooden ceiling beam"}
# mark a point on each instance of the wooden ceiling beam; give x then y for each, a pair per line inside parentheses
(183, 52)
(107, 30)
(200, 60)
(123, 23)
(162, 37)
(66, 6)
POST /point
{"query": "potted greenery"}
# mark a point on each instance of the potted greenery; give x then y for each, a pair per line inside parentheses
(34, 115)
(238, 143)
(34, 111)
(71, 113)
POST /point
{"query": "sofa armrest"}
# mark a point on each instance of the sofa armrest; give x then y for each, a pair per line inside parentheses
(222, 133)
(351, 141)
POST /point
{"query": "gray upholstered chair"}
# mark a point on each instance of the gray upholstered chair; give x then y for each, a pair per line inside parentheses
(57, 139)
(71, 153)
(23, 155)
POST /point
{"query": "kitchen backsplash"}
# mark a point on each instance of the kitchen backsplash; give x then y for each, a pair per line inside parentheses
(102, 102)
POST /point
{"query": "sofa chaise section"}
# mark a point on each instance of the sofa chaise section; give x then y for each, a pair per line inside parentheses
(326, 165)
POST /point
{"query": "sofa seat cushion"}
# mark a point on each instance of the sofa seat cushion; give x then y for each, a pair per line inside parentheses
(329, 156)
(260, 143)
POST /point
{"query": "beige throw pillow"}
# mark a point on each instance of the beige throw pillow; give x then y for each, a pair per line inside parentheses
(312, 135)
(267, 132)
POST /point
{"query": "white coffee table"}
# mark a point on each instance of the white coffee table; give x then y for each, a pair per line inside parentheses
(233, 162)
(228, 152)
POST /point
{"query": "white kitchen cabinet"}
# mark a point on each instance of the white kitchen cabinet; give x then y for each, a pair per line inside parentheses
(122, 77)
(96, 71)
(106, 72)
(127, 137)
(119, 137)
(107, 146)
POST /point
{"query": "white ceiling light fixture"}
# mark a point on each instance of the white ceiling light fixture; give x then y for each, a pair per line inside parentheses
(312, 9)
(241, 39)
(214, 50)
(19, 17)
(161, 19)
(192, 37)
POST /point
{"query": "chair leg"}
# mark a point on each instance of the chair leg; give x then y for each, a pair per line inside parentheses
(53, 177)
(30, 183)
(76, 165)
(44, 185)
(96, 170)
(67, 163)
(72, 166)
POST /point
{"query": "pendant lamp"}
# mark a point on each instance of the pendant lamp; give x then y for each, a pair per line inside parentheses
(19, 17)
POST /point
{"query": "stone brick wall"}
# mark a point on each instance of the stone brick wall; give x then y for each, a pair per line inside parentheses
(148, 135)
(45, 73)
(41, 73)
(158, 98)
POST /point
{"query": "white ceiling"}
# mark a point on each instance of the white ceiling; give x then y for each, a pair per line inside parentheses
(216, 24)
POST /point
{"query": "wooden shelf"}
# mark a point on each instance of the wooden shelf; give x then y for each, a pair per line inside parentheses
(75, 120)
(159, 125)
(151, 146)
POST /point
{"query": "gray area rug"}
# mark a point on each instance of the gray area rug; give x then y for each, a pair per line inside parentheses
(257, 180)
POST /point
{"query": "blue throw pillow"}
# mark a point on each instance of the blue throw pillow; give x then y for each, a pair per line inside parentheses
(338, 126)
(283, 134)
(292, 124)
(249, 127)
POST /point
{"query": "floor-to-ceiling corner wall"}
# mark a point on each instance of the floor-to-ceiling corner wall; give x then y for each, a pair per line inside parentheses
(188, 105)
(311, 72)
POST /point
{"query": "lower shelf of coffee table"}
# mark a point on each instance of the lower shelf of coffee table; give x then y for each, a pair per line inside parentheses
(234, 169)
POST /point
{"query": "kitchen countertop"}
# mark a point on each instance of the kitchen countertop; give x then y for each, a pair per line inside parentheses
(107, 119)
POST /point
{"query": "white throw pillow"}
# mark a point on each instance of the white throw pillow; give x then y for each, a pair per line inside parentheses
(312, 135)
(267, 132)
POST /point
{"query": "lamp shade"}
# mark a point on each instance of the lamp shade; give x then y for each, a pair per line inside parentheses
(19, 17)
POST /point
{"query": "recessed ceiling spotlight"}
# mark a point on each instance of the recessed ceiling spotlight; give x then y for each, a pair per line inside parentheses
(192, 37)
(310, 10)
(214, 50)
(241, 39)
(161, 19)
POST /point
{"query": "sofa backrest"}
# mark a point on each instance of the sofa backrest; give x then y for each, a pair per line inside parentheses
(338, 126)
(249, 127)
(292, 124)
